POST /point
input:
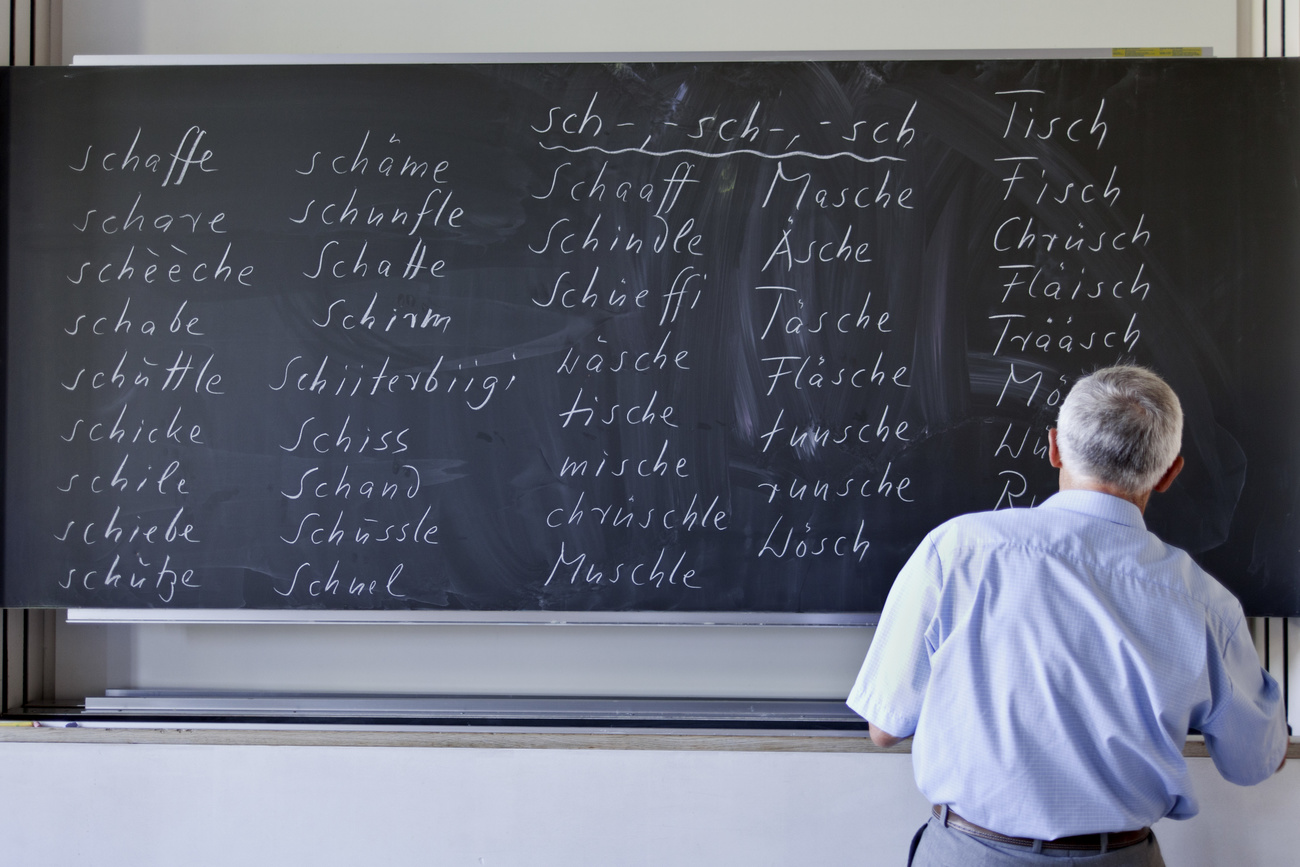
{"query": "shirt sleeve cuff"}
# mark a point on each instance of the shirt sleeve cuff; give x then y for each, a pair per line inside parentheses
(898, 725)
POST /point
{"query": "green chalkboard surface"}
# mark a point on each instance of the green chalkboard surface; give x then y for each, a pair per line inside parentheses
(675, 337)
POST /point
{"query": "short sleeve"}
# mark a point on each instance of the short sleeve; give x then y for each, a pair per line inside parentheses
(1245, 730)
(891, 684)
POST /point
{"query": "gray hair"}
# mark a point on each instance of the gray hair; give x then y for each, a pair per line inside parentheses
(1122, 426)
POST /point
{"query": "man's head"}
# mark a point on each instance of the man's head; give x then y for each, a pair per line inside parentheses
(1121, 429)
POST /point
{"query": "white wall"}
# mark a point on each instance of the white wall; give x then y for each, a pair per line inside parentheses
(159, 806)
(735, 662)
(388, 26)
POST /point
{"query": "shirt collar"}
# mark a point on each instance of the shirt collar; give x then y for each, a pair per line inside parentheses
(1097, 505)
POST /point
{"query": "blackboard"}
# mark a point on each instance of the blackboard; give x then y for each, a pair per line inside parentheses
(671, 338)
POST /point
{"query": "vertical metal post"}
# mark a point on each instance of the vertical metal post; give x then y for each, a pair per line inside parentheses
(1266, 45)
(4, 661)
(26, 658)
(1286, 670)
(27, 643)
(1268, 651)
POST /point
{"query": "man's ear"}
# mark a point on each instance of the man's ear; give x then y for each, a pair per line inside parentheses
(1053, 451)
(1170, 474)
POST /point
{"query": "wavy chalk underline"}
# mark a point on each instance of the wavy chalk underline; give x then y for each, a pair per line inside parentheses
(715, 156)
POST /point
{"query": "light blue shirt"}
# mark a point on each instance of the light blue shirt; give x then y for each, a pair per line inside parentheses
(1050, 661)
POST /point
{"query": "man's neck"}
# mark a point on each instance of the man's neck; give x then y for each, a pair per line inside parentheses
(1071, 482)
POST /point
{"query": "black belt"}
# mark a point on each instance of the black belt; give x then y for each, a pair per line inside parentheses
(1098, 842)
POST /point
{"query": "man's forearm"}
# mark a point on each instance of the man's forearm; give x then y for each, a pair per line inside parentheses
(882, 738)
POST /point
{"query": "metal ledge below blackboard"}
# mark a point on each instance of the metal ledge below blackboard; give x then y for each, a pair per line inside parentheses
(183, 709)
(302, 736)
(478, 618)
(823, 56)
(490, 712)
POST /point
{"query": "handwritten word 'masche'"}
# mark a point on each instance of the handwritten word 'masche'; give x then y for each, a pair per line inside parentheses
(857, 198)
(176, 167)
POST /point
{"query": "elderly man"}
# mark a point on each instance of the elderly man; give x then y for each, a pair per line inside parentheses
(1050, 661)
